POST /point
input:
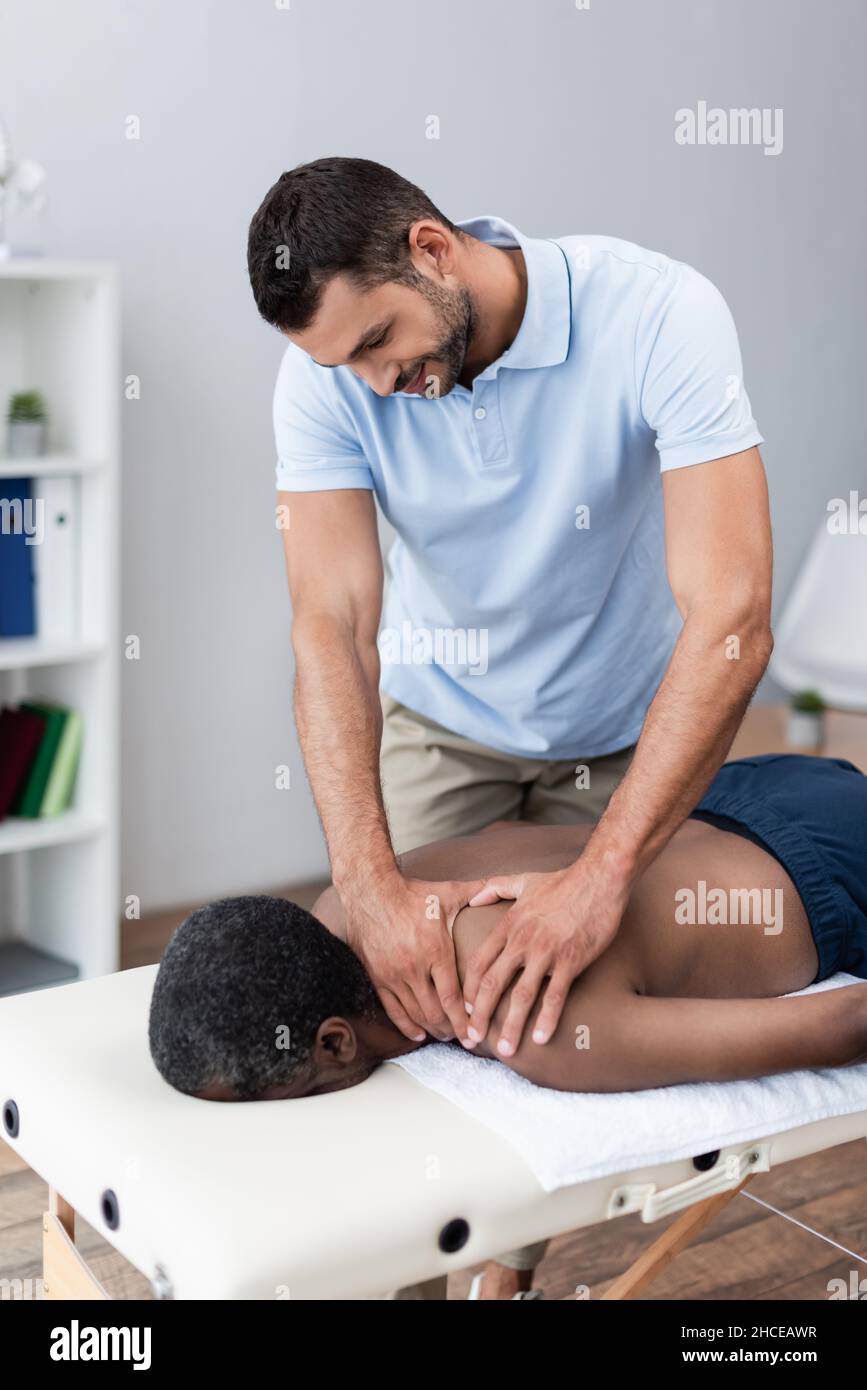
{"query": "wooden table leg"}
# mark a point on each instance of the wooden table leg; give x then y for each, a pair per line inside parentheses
(65, 1273)
(674, 1239)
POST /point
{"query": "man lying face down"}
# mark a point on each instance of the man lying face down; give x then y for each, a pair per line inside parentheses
(760, 892)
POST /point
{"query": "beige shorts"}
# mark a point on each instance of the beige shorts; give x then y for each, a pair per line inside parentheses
(436, 783)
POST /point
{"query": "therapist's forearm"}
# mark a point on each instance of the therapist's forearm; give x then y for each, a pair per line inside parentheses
(687, 734)
(339, 720)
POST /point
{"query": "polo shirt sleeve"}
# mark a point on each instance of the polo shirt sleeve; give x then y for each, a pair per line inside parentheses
(317, 448)
(689, 374)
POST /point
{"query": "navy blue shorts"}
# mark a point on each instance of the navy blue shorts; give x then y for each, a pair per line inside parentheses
(810, 814)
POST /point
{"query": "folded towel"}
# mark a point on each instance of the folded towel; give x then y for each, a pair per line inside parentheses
(567, 1137)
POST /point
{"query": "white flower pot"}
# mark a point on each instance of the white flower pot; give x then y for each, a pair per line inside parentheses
(25, 438)
(805, 729)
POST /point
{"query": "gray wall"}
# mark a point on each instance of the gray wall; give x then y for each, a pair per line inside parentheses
(559, 119)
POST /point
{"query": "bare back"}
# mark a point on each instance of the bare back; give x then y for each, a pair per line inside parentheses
(658, 950)
(670, 1000)
(653, 953)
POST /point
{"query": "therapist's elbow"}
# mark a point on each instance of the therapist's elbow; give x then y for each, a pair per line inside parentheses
(748, 637)
(318, 636)
(739, 623)
(752, 618)
(315, 633)
(313, 629)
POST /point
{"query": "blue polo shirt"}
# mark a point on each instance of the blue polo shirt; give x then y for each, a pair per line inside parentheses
(527, 604)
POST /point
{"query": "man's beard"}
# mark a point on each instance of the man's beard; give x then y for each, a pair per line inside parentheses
(457, 319)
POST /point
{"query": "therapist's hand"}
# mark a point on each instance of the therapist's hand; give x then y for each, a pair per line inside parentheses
(402, 932)
(559, 924)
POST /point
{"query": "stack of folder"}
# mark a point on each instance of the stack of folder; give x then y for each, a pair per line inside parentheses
(40, 747)
(38, 558)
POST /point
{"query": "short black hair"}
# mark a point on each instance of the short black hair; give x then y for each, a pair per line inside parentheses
(234, 974)
(334, 216)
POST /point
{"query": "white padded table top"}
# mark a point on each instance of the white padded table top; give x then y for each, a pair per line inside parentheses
(336, 1196)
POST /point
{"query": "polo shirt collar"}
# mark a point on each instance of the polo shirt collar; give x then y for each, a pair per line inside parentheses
(543, 337)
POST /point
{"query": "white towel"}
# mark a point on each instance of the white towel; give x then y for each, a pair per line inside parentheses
(566, 1137)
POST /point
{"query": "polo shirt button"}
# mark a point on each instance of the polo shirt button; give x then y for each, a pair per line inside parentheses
(480, 412)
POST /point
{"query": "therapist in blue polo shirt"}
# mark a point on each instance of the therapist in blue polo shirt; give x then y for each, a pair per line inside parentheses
(578, 607)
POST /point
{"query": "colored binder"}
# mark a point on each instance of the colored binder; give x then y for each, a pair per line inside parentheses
(16, 560)
(61, 779)
(20, 735)
(30, 798)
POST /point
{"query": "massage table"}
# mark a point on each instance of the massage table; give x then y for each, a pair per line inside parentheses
(379, 1191)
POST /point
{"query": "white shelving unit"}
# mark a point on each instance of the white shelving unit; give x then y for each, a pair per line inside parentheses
(59, 875)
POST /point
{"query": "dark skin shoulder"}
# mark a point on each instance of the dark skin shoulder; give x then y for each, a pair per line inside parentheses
(666, 1002)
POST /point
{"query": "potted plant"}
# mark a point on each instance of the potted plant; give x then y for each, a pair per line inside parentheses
(26, 420)
(806, 723)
